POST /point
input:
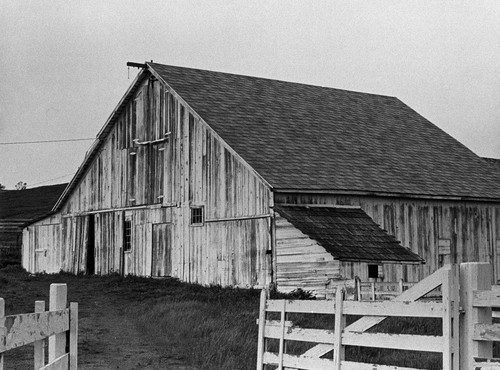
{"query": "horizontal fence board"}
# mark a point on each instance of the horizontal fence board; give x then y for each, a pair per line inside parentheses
(298, 362)
(349, 365)
(487, 332)
(28, 328)
(393, 308)
(300, 334)
(426, 343)
(486, 298)
(60, 363)
(325, 307)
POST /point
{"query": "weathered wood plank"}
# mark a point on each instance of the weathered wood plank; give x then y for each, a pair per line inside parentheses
(61, 363)
(300, 334)
(26, 328)
(486, 332)
(325, 307)
(486, 298)
(407, 342)
(394, 308)
(297, 362)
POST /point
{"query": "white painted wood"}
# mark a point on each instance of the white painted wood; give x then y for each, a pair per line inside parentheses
(28, 328)
(486, 298)
(296, 362)
(450, 319)
(394, 308)
(299, 334)
(486, 332)
(338, 347)
(73, 336)
(262, 323)
(306, 306)
(58, 301)
(413, 293)
(60, 363)
(282, 334)
(2, 331)
(473, 276)
(38, 346)
(349, 365)
(426, 343)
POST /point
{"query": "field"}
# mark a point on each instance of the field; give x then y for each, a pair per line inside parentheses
(142, 323)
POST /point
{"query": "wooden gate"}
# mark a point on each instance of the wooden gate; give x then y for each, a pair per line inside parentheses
(356, 334)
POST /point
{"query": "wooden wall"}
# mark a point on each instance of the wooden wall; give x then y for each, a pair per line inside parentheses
(439, 231)
(300, 261)
(158, 160)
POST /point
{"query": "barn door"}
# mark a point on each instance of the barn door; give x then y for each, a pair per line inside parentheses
(161, 264)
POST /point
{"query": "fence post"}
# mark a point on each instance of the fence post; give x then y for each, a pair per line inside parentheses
(451, 315)
(73, 336)
(401, 286)
(473, 276)
(58, 301)
(2, 314)
(373, 290)
(262, 322)
(338, 348)
(357, 288)
(38, 346)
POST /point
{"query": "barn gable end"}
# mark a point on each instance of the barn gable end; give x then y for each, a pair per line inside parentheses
(153, 166)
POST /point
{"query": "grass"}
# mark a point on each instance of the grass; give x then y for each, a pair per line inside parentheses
(204, 327)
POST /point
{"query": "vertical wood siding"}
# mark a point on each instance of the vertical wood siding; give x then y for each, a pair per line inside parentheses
(300, 261)
(472, 229)
(192, 167)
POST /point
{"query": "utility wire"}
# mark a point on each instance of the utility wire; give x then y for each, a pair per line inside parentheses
(44, 141)
(55, 178)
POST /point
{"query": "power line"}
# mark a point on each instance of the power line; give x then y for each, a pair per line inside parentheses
(55, 178)
(44, 141)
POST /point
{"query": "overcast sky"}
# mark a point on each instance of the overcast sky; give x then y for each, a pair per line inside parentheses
(63, 63)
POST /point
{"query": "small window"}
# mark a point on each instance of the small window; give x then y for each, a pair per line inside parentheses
(373, 271)
(196, 215)
(127, 235)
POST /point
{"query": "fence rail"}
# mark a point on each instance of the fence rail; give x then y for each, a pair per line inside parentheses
(24, 329)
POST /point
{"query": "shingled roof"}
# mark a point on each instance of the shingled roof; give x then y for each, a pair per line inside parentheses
(348, 234)
(309, 138)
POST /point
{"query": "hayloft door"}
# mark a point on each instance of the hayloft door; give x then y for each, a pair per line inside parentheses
(161, 264)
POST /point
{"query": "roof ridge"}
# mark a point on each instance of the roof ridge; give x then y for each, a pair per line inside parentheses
(270, 79)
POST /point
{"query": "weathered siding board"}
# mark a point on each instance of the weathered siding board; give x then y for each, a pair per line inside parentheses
(300, 261)
(420, 225)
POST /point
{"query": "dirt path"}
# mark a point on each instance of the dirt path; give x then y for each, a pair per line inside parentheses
(111, 340)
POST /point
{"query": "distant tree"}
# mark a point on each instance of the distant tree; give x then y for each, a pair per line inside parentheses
(21, 185)
(2, 187)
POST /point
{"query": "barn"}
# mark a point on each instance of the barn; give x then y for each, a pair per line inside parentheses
(217, 178)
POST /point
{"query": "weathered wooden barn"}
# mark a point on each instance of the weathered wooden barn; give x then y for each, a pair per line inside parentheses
(217, 178)
(19, 207)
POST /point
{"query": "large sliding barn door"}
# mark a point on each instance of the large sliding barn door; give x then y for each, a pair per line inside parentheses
(161, 264)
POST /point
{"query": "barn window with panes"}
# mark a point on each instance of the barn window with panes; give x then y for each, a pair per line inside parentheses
(197, 216)
(127, 235)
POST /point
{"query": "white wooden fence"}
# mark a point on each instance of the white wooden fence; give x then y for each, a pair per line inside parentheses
(378, 290)
(24, 329)
(465, 311)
